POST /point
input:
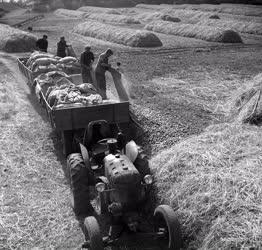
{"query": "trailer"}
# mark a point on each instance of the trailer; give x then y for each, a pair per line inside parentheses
(30, 75)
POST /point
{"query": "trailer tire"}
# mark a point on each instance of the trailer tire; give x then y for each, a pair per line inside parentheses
(93, 234)
(79, 184)
(165, 217)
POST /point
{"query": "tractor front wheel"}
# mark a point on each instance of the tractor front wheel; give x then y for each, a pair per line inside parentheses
(93, 234)
(166, 221)
(79, 184)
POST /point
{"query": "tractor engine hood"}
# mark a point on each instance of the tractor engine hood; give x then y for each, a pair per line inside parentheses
(121, 172)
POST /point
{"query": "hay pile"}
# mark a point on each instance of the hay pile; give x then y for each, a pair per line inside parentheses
(112, 18)
(240, 26)
(128, 37)
(246, 103)
(148, 17)
(214, 180)
(69, 13)
(92, 9)
(15, 40)
(245, 10)
(206, 33)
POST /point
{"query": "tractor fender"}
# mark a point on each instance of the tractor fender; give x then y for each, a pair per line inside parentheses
(131, 151)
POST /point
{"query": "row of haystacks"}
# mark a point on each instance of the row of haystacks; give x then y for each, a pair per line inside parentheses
(15, 40)
(214, 180)
(112, 18)
(148, 17)
(103, 17)
(207, 33)
(70, 13)
(239, 26)
(245, 10)
(120, 35)
(99, 10)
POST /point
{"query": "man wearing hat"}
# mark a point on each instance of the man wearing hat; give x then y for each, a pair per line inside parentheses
(100, 71)
(86, 60)
(61, 47)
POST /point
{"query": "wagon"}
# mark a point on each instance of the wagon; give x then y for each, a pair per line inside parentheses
(30, 75)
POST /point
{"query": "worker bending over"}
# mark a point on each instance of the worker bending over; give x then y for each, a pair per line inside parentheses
(42, 44)
(100, 70)
(86, 60)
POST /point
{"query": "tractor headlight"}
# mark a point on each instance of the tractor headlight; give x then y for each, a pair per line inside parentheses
(148, 179)
(100, 187)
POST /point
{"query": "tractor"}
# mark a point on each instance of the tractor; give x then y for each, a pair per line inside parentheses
(118, 172)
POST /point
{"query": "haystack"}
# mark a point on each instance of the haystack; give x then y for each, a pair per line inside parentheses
(69, 13)
(125, 36)
(246, 103)
(112, 18)
(148, 17)
(92, 9)
(202, 32)
(15, 40)
(240, 26)
(214, 181)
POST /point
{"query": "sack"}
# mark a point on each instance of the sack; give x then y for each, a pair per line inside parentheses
(67, 59)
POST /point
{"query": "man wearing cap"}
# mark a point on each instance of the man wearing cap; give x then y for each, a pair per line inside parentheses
(86, 60)
(42, 44)
(100, 70)
(61, 47)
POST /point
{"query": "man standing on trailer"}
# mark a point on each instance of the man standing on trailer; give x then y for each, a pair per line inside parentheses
(101, 68)
(61, 47)
(86, 60)
(42, 44)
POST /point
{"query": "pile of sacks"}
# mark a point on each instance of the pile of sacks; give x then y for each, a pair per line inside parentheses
(40, 62)
(60, 91)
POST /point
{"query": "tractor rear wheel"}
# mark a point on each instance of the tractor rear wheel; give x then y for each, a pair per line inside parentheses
(93, 234)
(166, 220)
(79, 184)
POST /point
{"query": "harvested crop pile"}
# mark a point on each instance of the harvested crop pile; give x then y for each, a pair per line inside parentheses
(246, 103)
(129, 37)
(112, 18)
(40, 62)
(245, 10)
(69, 13)
(214, 181)
(187, 15)
(148, 17)
(15, 40)
(92, 9)
(206, 33)
(240, 26)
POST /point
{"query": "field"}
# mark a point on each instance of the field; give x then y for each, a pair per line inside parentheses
(182, 95)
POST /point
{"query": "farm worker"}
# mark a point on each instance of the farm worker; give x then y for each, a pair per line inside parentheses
(86, 60)
(61, 47)
(42, 44)
(101, 68)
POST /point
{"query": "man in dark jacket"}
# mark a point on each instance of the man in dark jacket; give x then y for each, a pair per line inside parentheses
(86, 60)
(42, 44)
(100, 71)
(61, 47)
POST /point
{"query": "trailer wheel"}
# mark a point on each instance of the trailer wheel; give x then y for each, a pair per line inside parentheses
(166, 220)
(93, 234)
(79, 183)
